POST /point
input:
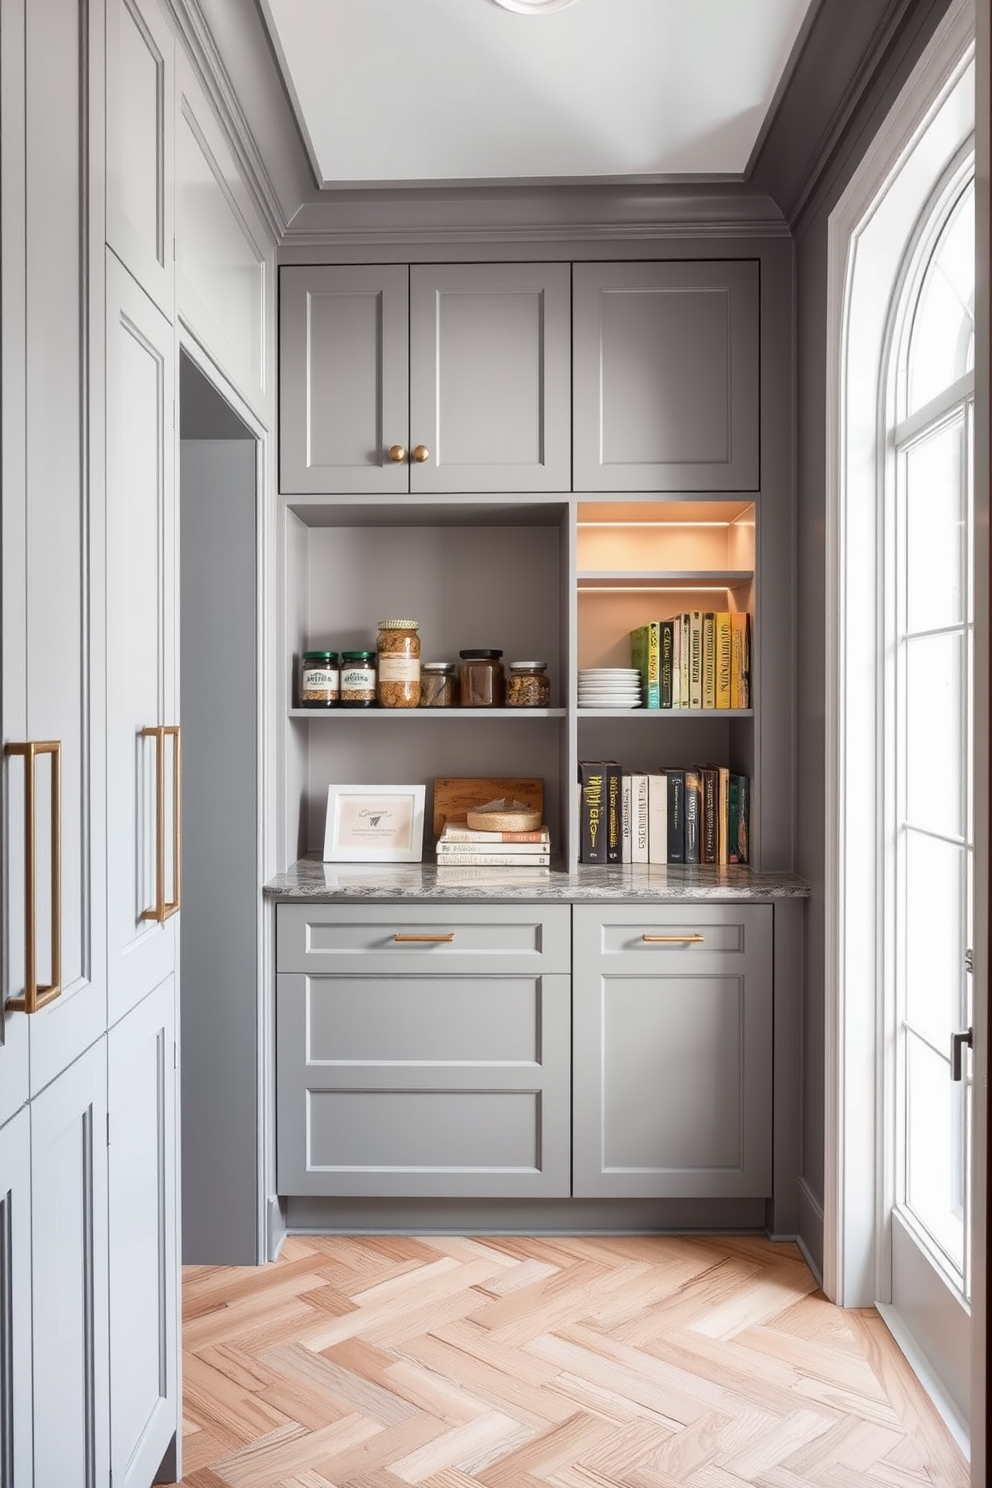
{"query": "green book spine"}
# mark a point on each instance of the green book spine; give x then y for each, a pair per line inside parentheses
(666, 643)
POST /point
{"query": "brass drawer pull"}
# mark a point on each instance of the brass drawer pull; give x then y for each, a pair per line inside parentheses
(674, 939)
(431, 939)
(36, 997)
(164, 909)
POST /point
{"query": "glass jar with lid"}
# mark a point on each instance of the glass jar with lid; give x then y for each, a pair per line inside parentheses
(528, 685)
(320, 679)
(481, 679)
(357, 679)
(398, 648)
(438, 684)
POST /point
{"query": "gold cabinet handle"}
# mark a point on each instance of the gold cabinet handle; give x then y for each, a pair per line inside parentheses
(421, 453)
(163, 909)
(36, 997)
(432, 939)
(397, 453)
(674, 939)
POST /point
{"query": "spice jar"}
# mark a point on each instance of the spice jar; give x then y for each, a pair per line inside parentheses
(528, 685)
(480, 682)
(398, 646)
(320, 679)
(438, 684)
(357, 679)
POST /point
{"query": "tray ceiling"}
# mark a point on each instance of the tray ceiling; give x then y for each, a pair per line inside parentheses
(404, 92)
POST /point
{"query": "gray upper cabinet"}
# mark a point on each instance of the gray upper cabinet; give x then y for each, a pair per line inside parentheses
(440, 378)
(665, 376)
(672, 1051)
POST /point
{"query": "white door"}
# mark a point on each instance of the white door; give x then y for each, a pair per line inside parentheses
(15, 1301)
(144, 1267)
(142, 741)
(69, 1275)
(931, 841)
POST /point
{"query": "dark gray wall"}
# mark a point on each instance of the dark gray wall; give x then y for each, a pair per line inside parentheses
(899, 48)
(219, 989)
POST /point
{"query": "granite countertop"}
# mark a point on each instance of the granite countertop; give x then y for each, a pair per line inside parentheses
(311, 878)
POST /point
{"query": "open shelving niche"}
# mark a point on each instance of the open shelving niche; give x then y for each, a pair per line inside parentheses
(564, 580)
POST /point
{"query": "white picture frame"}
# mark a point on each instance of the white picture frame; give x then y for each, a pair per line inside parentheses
(374, 824)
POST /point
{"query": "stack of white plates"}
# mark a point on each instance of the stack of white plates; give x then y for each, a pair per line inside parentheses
(610, 687)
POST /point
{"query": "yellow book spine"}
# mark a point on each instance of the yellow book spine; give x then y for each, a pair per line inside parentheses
(724, 660)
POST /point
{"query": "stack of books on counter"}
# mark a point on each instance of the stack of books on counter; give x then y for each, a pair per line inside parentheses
(466, 855)
(674, 815)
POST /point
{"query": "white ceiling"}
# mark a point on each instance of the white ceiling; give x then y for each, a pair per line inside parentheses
(403, 91)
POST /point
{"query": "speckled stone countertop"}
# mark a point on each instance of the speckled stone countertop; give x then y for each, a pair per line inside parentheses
(310, 878)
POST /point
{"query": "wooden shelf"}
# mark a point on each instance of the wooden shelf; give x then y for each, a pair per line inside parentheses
(591, 580)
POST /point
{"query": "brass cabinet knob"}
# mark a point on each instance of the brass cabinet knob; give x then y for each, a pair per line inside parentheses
(421, 453)
(397, 453)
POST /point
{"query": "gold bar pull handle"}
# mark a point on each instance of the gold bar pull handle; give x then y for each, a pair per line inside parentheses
(426, 939)
(674, 939)
(36, 996)
(163, 908)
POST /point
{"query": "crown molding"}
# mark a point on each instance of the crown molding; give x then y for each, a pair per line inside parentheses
(488, 215)
(212, 70)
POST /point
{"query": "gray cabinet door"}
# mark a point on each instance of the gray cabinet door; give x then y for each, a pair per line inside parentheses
(672, 1040)
(430, 1086)
(489, 377)
(15, 1301)
(665, 376)
(343, 368)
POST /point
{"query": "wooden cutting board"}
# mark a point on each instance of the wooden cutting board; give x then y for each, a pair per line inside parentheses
(453, 798)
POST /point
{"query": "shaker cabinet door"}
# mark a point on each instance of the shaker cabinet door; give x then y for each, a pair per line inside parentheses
(142, 803)
(69, 1274)
(15, 1300)
(489, 374)
(144, 1266)
(343, 365)
(672, 1047)
(665, 376)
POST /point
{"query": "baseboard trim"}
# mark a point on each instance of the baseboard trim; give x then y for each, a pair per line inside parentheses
(810, 1237)
(917, 1362)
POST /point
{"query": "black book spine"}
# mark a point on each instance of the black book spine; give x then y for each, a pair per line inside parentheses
(666, 646)
(693, 814)
(614, 813)
(592, 812)
(711, 816)
(676, 816)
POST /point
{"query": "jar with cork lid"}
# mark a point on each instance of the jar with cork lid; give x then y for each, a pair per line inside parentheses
(398, 662)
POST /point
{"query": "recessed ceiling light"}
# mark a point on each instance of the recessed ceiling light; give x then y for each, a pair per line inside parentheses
(534, 7)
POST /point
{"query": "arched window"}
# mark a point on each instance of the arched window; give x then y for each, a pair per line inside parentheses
(927, 635)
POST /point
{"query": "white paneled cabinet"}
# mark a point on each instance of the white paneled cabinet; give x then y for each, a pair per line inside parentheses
(69, 1275)
(142, 805)
(144, 1267)
(453, 379)
(15, 1301)
(140, 141)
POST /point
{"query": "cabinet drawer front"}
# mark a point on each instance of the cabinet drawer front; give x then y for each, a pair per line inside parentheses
(354, 1023)
(459, 938)
(687, 938)
(420, 1105)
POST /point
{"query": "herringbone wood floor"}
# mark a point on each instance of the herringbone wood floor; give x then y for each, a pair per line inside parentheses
(620, 1362)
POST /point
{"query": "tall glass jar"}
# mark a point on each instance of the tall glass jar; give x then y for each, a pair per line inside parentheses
(481, 681)
(398, 648)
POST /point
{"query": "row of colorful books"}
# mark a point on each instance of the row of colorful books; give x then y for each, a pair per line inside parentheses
(460, 847)
(699, 659)
(685, 815)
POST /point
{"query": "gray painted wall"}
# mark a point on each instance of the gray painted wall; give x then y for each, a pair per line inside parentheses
(218, 988)
(811, 349)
